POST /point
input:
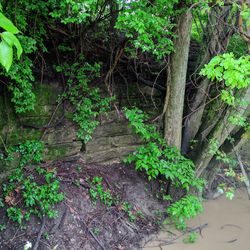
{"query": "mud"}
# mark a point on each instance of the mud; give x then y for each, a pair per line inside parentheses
(85, 225)
(228, 227)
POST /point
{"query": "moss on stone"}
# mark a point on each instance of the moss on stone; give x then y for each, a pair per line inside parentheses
(46, 94)
(7, 166)
(46, 102)
(58, 151)
(14, 128)
(20, 135)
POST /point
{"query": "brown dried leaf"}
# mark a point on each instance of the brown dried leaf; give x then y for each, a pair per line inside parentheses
(51, 169)
(71, 210)
(10, 199)
(18, 189)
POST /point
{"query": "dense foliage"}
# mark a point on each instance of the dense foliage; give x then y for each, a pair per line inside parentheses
(8, 41)
(157, 158)
(89, 46)
(234, 73)
(166, 163)
(88, 108)
(30, 193)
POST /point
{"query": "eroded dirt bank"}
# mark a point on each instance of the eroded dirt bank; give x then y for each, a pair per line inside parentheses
(86, 224)
(228, 227)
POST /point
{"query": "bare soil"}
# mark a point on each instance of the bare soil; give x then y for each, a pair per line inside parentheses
(83, 224)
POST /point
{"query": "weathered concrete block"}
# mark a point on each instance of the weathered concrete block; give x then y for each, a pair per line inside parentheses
(15, 128)
(60, 134)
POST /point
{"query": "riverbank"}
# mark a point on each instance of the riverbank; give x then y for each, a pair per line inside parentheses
(228, 227)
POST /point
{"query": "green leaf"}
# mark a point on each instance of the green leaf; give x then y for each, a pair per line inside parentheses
(6, 55)
(12, 40)
(6, 24)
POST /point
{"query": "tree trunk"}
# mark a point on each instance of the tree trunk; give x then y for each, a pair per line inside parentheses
(220, 133)
(219, 35)
(174, 101)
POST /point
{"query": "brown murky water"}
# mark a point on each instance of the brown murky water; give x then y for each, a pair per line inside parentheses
(228, 227)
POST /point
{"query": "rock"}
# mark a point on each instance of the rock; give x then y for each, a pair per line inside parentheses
(113, 155)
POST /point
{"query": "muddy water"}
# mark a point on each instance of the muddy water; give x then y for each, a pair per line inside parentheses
(228, 227)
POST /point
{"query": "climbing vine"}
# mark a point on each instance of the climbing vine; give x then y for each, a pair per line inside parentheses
(86, 102)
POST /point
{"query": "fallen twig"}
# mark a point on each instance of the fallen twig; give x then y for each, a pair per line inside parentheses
(197, 228)
(39, 234)
(92, 234)
(169, 242)
(231, 241)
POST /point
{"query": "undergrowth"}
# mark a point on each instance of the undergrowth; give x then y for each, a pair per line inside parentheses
(30, 190)
(184, 209)
(191, 238)
(159, 161)
(97, 191)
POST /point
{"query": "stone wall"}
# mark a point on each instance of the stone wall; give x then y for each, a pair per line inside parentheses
(112, 141)
(60, 137)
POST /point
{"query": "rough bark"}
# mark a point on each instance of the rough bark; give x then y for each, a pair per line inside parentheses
(243, 171)
(220, 133)
(193, 121)
(178, 69)
(229, 148)
(218, 40)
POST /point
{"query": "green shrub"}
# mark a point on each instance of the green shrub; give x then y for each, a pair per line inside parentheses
(184, 209)
(97, 191)
(37, 192)
(158, 160)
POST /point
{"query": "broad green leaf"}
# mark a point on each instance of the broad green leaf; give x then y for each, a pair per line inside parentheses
(12, 40)
(6, 55)
(6, 24)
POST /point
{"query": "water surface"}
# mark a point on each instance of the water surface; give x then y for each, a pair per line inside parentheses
(228, 227)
